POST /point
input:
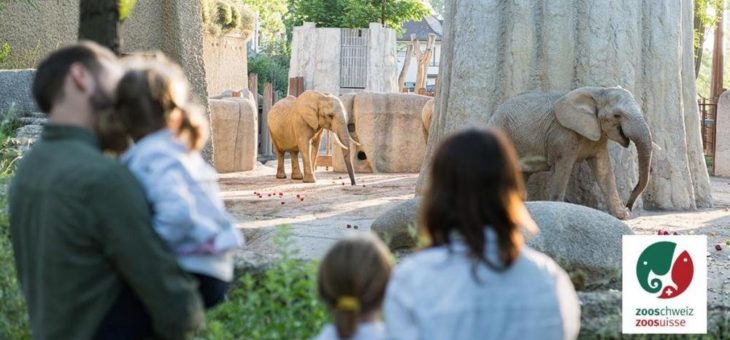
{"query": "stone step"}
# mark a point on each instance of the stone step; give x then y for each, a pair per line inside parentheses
(36, 115)
(32, 120)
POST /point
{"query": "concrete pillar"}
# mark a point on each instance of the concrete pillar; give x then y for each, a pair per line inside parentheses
(722, 140)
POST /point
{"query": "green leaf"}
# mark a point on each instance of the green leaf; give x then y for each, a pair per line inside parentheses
(125, 8)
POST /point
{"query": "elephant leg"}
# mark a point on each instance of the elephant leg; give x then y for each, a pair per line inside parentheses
(601, 167)
(560, 175)
(315, 149)
(280, 173)
(305, 147)
(296, 173)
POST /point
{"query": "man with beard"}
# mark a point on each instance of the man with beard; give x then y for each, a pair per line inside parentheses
(88, 261)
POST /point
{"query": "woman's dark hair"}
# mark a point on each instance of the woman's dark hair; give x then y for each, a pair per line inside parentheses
(147, 97)
(476, 183)
(352, 280)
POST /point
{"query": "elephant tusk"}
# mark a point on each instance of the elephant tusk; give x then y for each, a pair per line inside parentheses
(337, 140)
(354, 141)
(656, 147)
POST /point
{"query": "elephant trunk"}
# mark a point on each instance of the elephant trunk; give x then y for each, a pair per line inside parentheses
(638, 132)
(344, 137)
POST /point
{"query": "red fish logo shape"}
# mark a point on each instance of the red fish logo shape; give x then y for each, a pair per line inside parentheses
(682, 272)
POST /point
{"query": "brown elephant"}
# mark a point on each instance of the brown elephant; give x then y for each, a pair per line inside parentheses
(553, 131)
(427, 115)
(296, 125)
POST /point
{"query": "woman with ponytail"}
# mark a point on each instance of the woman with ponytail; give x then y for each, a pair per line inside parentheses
(153, 109)
(352, 280)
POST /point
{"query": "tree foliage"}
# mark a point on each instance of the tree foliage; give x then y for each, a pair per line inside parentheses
(703, 21)
(355, 13)
(438, 7)
(270, 15)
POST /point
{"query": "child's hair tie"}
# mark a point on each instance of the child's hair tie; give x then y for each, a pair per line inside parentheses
(348, 303)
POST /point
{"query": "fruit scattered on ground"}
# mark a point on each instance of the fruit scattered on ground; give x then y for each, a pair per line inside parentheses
(355, 226)
(718, 247)
(349, 226)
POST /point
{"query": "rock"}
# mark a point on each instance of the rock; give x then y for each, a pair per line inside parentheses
(15, 86)
(582, 240)
(390, 131)
(234, 128)
(396, 226)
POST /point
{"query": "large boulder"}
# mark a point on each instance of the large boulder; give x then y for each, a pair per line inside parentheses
(234, 129)
(397, 226)
(584, 241)
(15, 87)
(389, 129)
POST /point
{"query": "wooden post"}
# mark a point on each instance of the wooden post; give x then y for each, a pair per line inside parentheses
(423, 58)
(404, 70)
(265, 137)
(253, 84)
(296, 86)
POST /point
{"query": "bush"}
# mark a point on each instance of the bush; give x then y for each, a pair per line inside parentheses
(273, 69)
(13, 313)
(280, 303)
(223, 16)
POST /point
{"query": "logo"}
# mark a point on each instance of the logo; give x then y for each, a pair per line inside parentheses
(664, 284)
(654, 265)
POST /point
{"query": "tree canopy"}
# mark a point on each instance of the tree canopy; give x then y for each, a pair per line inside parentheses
(355, 13)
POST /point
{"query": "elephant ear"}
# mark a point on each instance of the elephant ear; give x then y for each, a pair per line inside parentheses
(577, 111)
(308, 108)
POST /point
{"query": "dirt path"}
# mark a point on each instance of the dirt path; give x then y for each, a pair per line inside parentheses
(329, 206)
(321, 218)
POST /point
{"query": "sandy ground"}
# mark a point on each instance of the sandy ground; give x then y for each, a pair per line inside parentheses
(329, 206)
(321, 218)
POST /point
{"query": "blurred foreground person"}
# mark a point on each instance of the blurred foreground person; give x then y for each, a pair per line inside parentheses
(88, 261)
(477, 279)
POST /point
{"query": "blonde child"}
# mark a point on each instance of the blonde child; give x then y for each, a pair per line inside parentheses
(153, 108)
(352, 280)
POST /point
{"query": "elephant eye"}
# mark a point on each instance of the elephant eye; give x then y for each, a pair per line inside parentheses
(616, 115)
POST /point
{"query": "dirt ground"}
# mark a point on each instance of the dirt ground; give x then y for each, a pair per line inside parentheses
(329, 206)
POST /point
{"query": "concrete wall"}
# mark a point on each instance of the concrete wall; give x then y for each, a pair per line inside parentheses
(171, 26)
(226, 62)
(722, 137)
(15, 92)
(316, 57)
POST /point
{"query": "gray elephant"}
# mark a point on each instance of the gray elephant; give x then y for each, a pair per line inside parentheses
(554, 131)
(296, 125)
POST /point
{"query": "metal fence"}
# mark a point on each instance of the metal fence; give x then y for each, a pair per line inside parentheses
(708, 114)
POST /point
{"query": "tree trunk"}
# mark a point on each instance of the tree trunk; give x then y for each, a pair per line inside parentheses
(423, 58)
(643, 46)
(404, 70)
(99, 22)
(698, 49)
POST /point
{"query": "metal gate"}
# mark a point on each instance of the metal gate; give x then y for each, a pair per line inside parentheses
(708, 112)
(353, 60)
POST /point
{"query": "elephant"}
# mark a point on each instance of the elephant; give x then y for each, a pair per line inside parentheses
(296, 125)
(553, 131)
(427, 115)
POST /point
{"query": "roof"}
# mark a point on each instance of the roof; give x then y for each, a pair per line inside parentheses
(421, 29)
